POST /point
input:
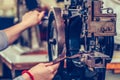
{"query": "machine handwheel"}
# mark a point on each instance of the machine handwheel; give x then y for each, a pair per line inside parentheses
(56, 33)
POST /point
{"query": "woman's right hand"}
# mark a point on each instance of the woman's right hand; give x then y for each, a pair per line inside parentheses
(43, 71)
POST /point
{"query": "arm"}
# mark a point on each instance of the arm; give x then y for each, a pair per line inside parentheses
(29, 19)
(3, 40)
(42, 71)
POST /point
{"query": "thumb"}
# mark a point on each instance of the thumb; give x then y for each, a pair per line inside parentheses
(41, 14)
(55, 66)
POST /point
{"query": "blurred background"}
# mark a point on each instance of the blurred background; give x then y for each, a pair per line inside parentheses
(31, 47)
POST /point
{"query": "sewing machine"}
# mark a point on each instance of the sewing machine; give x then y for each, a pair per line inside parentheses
(83, 27)
(80, 37)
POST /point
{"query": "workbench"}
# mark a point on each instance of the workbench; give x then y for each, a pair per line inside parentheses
(17, 58)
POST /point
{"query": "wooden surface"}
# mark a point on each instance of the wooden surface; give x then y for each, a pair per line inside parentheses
(15, 59)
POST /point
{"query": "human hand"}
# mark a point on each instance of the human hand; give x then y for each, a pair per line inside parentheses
(32, 18)
(43, 71)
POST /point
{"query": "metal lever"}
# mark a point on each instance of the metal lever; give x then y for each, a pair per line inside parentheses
(62, 57)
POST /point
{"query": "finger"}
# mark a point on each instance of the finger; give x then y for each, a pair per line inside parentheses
(40, 22)
(55, 72)
(41, 14)
(28, 13)
(55, 66)
(48, 64)
(35, 11)
(52, 68)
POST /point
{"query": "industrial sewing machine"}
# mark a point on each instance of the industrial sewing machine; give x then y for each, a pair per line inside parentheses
(81, 36)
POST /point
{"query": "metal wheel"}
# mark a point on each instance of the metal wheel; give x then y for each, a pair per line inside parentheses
(56, 33)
